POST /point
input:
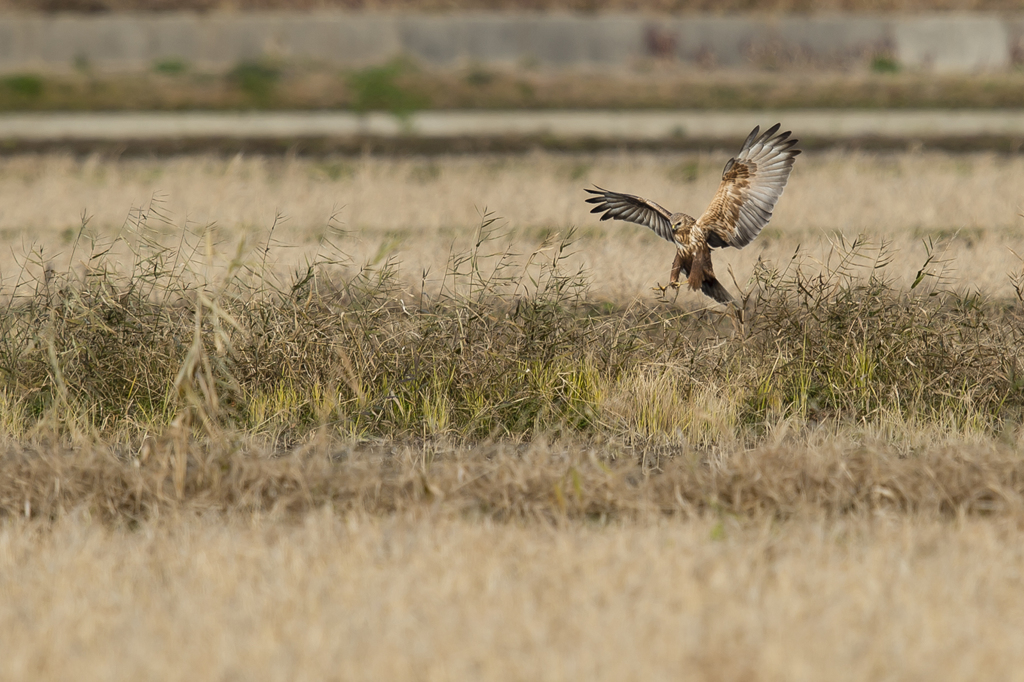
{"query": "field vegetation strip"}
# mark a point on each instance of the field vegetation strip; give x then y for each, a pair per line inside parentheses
(402, 87)
(505, 346)
(506, 390)
(536, 482)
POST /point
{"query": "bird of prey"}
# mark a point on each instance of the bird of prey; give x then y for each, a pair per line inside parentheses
(751, 184)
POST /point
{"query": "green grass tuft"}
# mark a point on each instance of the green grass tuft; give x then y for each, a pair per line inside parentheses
(258, 80)
(884, 64)
(382, 88)
(28, 86)
(170, 67)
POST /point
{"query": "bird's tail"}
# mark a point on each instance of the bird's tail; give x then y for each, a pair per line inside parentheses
(713, 288)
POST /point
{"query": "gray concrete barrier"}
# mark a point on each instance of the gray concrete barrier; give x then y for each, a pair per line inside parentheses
(950, 43)
(953, 43)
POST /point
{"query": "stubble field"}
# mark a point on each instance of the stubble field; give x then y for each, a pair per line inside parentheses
(368, 418)
(418, 210)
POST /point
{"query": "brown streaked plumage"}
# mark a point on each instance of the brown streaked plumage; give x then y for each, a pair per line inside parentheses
(751, 184)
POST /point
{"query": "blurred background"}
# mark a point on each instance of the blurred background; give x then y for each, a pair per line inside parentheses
(399, 123)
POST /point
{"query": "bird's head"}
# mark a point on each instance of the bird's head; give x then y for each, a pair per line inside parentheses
(680, 220)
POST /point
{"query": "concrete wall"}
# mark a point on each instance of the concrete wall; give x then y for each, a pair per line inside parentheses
(948, 43)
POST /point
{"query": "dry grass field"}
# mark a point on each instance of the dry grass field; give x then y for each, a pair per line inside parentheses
(291, 418)
(437, 598)
(418, 210)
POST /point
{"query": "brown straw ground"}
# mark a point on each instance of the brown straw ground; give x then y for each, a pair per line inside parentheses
(546, 482)
(350, 597)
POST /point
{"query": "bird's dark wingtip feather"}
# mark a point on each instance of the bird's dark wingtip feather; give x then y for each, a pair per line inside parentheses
(713, 289)
(750, 139)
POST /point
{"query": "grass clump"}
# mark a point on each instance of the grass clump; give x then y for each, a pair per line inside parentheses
(257, 80)
(851, 349)
(171, 66)
(884, 64)
(499, 347)
(27, 86)
(382, 88)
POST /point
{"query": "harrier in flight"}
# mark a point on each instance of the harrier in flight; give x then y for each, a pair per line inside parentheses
(751, 184)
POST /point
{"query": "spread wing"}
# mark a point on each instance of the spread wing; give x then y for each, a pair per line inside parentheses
(751, 184)
(632, 209)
